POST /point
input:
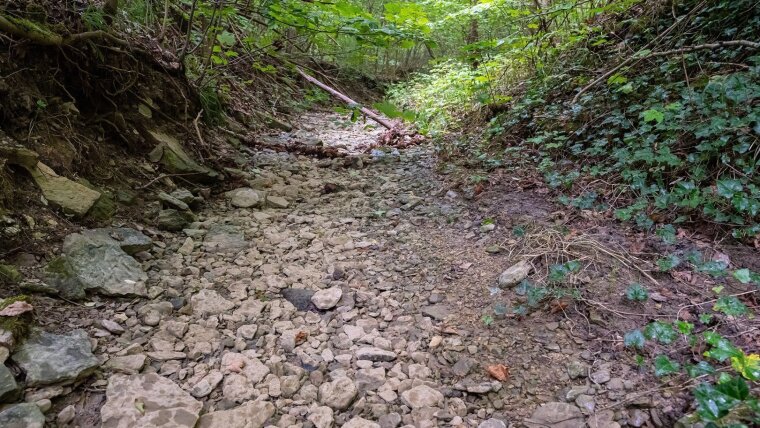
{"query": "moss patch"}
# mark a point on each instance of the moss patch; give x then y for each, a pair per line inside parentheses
(18, 326)
(9, 275)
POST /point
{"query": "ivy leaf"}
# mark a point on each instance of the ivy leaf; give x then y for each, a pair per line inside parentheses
(653, 115)
(730, 305)
(747, 365)
(667, 233)
(634, 339)
(722, 349)
(728, 187)
(711, 403)
(665, 366)
(745, 276)
(699, 369)
(661, 332)
(735, 388)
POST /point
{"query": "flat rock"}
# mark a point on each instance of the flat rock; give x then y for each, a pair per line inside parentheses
(244, 197)
(48, 358)
(515, 274)
(300, 298)
(437, 312)
(327, 298)
(277, 201)
(130, 240)
(68, 195)
(321, 417)
(224, 238)
(338, 394)
(147, 401)
(95, 261)
(24, 415)
(372, 353)
(210, 302)
(8, 387)
(173, 202)
(128, 364)
(253, 414)
(422, 396)
(492, 423)
(555, 415)
(359, 422)
(174, 220)
(172, 155)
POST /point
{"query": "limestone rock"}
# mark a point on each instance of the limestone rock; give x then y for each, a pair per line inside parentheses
(48, 358)
(328, 298)
(95, 261)
(244, 197)
(8, 387)
(253, 414)
(555, 415)
(515, 274)
(422, 396)
(68, 195)
(223, 238)
(130, 240)
(174, 220)
(147, 401)
(338, 394)
(321, 417)
(210, 302)
(128, 364)
(172, 155)
(375, 354)
(358, 422)
(24, 415)
(277, 201)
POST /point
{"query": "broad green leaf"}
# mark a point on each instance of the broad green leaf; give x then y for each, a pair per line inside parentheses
(699, 369)
(747, 365)
(661, 332)
(665, 366)
(634, 339)
(730, 305)
(653, 115)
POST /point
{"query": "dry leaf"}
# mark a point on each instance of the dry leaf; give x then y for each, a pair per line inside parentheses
(16, 308)
(499, 372)
(301, 337)
(558, 306)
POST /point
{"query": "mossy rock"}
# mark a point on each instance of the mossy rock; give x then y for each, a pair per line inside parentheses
(60, 274)
(104, 208)
(9, 274)
(18, 326)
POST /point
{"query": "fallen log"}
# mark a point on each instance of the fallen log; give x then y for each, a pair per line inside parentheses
(369, 113)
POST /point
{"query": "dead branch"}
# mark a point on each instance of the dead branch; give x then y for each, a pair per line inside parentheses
(371, 114)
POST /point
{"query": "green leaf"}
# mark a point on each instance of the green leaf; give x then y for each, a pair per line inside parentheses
(669, 262)
(728, 187)
(735, 388)
(711, 403)
(634, 339)
(684, 327)
(653, 115)
(661, 332)
(665, 366)
(699, 369)
(388, 109)
(730, 305)
(636, 293)
(722, 349)
(667, 233)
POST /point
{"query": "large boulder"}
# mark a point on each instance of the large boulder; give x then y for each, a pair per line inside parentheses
(148, 401)
(93, 260)
(9, 389)
(49, 358)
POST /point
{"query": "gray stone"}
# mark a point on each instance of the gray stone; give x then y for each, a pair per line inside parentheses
(172, 155)
(244, 197)
(48, 358)
(374, 354)
(601, 376)
(277, 202)
(555, 415)
(576, 369)
(359, 422)
(130, 240)
(492, 423)
(9, 389)
(69, 196)
(207, 384)
(210, 302)
(586, 403)
(300, 298)
(147, 401)
(338, 394)
(422, 396)
(95, 261)
(254, 414)
(389, 420)
(515, 274)
(223, 238)
(174, 220)
(327, 298)
(321, 417)
(173, 202)
(128, 364)
(437, 312)
(463, 366)
(24, 415)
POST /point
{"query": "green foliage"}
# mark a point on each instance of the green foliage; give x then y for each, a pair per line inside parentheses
(636, 293)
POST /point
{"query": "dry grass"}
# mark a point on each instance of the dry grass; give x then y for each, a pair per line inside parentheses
(547, 246)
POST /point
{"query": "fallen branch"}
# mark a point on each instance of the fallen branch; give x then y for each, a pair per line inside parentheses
(369, 113)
